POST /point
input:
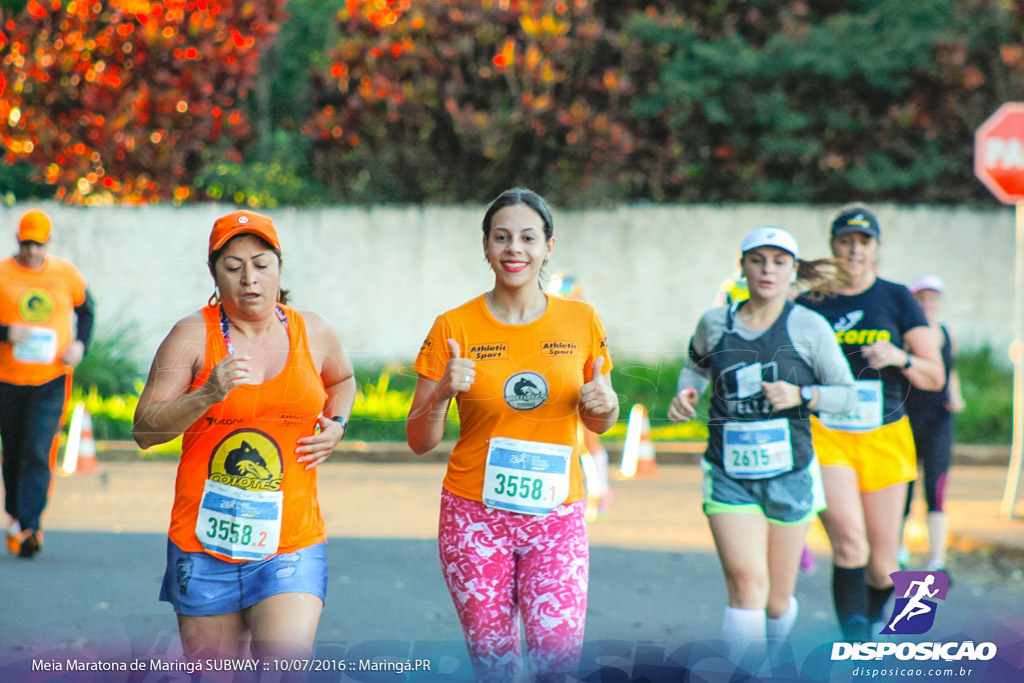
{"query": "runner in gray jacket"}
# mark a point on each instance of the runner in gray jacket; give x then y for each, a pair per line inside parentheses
(771, 363)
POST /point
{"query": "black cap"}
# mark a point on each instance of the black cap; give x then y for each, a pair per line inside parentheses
(856, 219)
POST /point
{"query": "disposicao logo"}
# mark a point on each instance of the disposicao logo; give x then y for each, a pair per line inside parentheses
(914, 612)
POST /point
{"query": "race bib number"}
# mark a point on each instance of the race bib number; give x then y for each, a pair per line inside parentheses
(866, 415)
(756, 450)
(41, 347)
(526, 476)
(241, 524)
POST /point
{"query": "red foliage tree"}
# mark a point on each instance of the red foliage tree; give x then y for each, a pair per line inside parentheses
(116, 100)
(470, 94)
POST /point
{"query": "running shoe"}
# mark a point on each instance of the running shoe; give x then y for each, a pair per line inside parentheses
(14, 538)
(808, 565)
(31, 543)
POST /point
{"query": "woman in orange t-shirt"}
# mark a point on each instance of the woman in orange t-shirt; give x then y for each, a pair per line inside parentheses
(512, 535)
(261, 393)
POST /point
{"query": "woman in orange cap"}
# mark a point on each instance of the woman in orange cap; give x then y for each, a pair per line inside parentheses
(262, 393)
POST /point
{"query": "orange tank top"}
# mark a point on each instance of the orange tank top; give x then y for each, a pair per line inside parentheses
(248, 441)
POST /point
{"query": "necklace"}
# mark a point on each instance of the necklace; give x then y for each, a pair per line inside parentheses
(526, 318)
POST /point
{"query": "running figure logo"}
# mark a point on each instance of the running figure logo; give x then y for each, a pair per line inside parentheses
(914, 612)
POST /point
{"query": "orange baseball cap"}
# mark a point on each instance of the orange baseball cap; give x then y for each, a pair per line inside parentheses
(34, 227)
(242, 222)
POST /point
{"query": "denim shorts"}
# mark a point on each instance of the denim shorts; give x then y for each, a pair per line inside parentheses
(790, 498)
(201, 585)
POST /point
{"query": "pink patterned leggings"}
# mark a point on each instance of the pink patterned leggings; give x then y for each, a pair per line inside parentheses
(498, 564)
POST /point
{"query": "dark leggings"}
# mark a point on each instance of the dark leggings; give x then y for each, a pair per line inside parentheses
(29, 419)
(933, 439)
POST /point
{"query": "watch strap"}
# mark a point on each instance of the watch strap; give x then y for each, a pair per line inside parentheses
(342, 421)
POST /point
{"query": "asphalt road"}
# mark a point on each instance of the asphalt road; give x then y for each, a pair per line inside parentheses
(655, 601)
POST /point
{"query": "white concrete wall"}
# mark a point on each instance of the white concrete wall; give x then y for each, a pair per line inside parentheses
(382, 274)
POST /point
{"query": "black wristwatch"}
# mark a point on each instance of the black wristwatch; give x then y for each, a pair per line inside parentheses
(343, 422)
(906, 366)
(806, 395)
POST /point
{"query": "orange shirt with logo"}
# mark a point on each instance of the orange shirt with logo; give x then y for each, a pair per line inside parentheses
(248, 440)
(527, 385)
(43, 297)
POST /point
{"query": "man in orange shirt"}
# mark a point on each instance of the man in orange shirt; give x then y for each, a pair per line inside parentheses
(38, 353)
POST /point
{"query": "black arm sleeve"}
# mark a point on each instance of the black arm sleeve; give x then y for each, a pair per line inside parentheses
(84, 314)
(700, 361)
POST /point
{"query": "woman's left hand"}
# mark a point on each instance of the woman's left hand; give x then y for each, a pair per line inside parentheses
(883, 354)
(313, 450)
(73, 354)
(781, 395)
(597, 396)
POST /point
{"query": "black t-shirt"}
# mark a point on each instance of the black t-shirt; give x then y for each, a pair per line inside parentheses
(884, 311)
(924, 405)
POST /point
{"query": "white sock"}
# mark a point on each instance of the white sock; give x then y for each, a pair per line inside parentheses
(742, 627)
(780, 627)
(937, 539)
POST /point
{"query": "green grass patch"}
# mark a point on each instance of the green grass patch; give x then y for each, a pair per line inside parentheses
(385, 395)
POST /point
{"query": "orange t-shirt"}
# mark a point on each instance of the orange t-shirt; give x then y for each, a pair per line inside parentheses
(248, 440)
(43, 298)
(527, 386)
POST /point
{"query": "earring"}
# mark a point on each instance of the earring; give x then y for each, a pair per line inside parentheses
(214, 298)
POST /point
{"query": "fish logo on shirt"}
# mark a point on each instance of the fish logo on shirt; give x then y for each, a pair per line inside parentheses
(525, 390)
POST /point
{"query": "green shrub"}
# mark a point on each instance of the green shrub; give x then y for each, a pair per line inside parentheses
(381, 406)
(272, 175)
(986, 382)
(19, 181)
(385, 395)
(109, 366)
(111, 416)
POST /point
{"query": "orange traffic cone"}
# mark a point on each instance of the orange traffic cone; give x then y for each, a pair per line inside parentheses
(80, 451)
(646, 467)
(86, 447)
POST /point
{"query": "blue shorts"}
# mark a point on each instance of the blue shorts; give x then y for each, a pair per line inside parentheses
(788, 499)
(201, 585)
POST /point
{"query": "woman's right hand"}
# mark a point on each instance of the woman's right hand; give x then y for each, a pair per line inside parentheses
(459, 374)
(229, 373)
(682, 409)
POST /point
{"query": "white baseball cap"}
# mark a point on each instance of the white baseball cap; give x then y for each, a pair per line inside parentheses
(770, 236)
(922, 282)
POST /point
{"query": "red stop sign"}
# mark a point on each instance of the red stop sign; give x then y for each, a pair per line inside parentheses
(999, 153)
